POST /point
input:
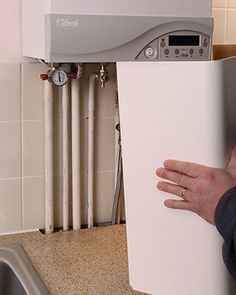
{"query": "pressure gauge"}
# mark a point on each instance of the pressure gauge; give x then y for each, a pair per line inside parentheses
(57, 77)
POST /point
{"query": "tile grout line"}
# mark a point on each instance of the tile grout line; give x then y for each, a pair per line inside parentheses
(10, 178)
(36, 120)
(226, 21)
(9, 121)
(22, 148)
(99, 171)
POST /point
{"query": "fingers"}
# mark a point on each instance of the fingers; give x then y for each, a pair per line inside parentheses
(173, 189)
(187, 168)
(175, 177)
(183, 205)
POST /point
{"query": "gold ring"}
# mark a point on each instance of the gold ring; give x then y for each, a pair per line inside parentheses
(182, 192)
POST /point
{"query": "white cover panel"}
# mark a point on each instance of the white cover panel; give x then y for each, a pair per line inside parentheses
(172, 110)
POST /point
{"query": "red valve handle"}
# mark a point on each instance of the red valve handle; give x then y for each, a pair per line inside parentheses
(44, 77)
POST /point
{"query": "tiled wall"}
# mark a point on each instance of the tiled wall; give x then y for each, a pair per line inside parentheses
(10, 148)
(22, 147)
(224, 12)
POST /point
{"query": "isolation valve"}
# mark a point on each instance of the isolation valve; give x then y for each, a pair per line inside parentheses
(103, 76)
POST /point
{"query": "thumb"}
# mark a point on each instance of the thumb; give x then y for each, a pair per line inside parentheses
(232, 160)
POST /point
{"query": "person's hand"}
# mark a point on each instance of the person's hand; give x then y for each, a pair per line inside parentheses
(200, 187)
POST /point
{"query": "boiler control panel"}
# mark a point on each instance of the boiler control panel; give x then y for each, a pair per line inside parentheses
(181, 45)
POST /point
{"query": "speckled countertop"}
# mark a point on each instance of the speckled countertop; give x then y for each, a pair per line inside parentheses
(86, 262)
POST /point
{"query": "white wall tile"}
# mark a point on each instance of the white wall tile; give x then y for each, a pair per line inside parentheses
(32, 92)
(104, 193)
(104, 97)
(33, 148)
(84, 85)
(10, 149)
(104, 144)
(103, 196)
(33, 203)
(10, 209)
(58, 201)
(231, 27)
(10, 92)
(219, 3)
(231, 3)
(219, 26)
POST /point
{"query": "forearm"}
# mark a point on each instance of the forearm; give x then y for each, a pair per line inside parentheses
(225, 221)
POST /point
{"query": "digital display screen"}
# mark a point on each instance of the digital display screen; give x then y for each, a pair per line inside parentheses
(179, 40)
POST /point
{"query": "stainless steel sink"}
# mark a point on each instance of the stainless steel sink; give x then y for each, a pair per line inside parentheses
(9, 283)
(17, 276)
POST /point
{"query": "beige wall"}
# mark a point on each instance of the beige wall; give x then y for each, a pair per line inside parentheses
(22, 129)
(224, 12)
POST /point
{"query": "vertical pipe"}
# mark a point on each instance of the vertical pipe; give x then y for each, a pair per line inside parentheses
(91, 110)
(117, 188)
(49, 201)
(117, 152)
(76, 165)
(65, 128)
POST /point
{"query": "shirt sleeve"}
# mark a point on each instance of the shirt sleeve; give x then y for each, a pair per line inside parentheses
(225, 221)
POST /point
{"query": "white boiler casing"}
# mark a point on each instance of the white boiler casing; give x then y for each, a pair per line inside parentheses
(185, 111)
(110, 30)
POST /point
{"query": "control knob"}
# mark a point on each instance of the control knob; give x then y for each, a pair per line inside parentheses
(149, 52)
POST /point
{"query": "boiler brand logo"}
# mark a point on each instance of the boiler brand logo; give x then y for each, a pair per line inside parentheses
(65, 22)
